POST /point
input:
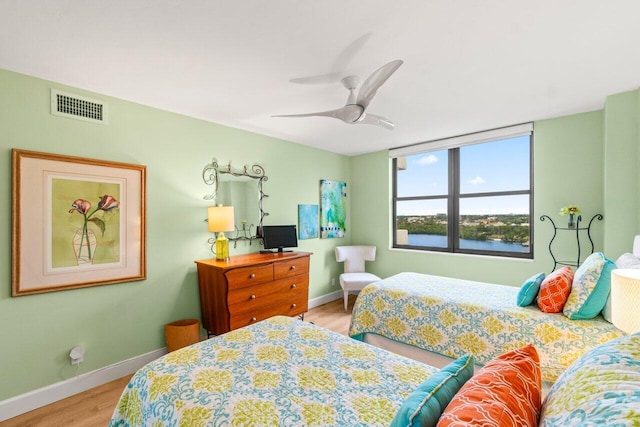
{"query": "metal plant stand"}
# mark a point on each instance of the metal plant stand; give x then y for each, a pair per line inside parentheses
(577, 229)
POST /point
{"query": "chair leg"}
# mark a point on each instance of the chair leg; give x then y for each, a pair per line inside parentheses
(346, 300)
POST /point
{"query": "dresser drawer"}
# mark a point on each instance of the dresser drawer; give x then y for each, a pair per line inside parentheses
(282, 269)
(293, 307)
(249, 276)
(278, 292)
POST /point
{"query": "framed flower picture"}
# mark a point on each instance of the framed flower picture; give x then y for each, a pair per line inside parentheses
(76, 222)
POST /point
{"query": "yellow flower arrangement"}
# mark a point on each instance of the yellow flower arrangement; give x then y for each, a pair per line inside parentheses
(570, 210)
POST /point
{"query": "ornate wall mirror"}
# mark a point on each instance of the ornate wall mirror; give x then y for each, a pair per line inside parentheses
(242, 189)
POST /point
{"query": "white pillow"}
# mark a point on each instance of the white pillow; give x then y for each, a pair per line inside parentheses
(628, 261)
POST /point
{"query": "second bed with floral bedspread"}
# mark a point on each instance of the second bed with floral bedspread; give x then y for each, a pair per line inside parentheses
(280, 371)
(453, 317)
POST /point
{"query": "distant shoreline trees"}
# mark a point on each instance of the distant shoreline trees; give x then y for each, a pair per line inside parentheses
(511, 228)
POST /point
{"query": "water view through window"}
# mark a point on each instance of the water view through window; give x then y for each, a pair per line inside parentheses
(484, 189)
(504, 233)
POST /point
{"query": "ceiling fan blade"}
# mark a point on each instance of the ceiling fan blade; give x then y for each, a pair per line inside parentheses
(374, 81)
(372, 119)
(349, 113)
(330, 113)
(319, 79)
(341, 63)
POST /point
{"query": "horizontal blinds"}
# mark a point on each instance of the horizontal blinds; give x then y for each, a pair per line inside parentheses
(462, 140)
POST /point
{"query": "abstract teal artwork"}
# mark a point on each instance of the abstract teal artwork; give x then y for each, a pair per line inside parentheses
(333, 209)
(307, 221)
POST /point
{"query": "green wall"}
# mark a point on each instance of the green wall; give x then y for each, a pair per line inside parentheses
(621, 121)
(568, 169)
(117, 322)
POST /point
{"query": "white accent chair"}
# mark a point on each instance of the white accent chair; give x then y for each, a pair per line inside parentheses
(354, 277)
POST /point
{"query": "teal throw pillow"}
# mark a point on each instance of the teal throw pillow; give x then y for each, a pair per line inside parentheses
(428, 401)
(590, 288)
(529, 290)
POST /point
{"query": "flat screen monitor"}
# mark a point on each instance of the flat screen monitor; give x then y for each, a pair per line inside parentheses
(279, 237)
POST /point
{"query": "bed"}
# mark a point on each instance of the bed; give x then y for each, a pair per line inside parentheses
(283, 372)
(434, 319)
(280, 371)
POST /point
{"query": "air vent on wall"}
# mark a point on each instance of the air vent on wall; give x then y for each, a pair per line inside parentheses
(78, 107)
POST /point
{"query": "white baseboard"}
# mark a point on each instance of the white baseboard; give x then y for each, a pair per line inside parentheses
(34, 399)
(325, 299)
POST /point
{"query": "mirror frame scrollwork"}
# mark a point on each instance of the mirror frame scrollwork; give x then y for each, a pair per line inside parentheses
(210, 177)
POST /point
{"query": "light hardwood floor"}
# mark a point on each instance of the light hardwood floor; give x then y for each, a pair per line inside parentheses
(94, 407)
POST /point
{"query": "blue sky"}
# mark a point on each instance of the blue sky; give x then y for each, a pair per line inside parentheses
(495, 166)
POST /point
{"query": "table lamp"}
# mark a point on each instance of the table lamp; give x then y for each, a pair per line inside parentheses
(220, 219)
(625, 299)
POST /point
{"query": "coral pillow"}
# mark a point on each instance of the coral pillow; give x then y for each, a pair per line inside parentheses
(555, 290)
(505, 392)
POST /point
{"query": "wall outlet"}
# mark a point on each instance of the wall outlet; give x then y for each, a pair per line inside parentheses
(333, 281)
(76, 355)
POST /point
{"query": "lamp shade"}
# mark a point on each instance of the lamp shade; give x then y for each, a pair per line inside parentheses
(220, 218)
(625, 299)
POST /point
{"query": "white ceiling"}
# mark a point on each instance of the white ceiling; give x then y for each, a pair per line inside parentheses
(469, 65)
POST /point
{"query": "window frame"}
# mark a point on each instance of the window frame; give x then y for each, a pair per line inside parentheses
(453, 197)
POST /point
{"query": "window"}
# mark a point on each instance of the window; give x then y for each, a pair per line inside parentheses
(468, 194)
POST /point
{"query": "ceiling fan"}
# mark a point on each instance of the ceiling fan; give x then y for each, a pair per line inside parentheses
(354, 111)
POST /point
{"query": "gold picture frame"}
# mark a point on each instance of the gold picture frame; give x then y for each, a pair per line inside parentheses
(76, 222)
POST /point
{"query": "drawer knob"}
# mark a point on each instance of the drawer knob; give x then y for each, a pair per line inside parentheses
(293, 305)
(293, 267)
(252, 276)
(252, 297)
(253, 319)
(293, 286)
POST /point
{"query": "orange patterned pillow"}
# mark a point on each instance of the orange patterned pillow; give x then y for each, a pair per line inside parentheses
(505, 392)
(555, 290)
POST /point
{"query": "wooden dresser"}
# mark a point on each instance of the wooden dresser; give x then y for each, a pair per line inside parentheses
(252, 287)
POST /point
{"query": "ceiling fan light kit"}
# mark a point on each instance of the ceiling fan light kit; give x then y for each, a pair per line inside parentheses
(354, 111)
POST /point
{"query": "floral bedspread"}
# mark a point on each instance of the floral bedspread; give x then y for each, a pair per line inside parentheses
(454, 317)
(278, 372)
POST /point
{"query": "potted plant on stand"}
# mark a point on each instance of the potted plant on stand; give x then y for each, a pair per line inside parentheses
(572, 211)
